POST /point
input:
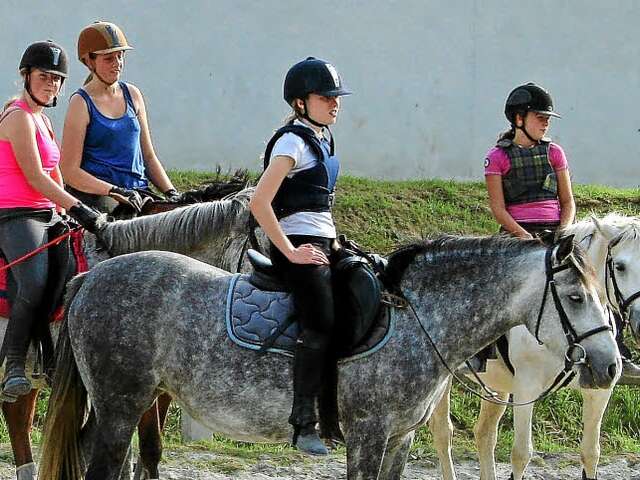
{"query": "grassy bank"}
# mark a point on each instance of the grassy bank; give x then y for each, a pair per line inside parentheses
(380, 215)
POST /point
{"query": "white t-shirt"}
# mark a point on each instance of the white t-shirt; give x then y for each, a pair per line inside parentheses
(318, 224)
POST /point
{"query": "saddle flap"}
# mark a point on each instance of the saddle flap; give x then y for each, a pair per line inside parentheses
(264, 275)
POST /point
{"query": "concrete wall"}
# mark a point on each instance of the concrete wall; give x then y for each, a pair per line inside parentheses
(430, 76)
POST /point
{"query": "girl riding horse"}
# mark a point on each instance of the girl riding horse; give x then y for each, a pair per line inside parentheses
(292, 203)
(528, 179)
(31, 198)
(108, 155)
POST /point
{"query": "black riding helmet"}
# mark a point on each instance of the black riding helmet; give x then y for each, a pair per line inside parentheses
(47, 56)
(528, 98)
(312, 75)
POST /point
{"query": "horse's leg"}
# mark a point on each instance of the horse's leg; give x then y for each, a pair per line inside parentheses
(19, 418)
(163, 401)
(486, 435)
(442, 433)
(395, 457)
(150, 438)
(593, 407)
(110, 450)
(522, 449)
(366, 446)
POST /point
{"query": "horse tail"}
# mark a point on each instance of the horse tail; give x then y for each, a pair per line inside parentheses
(61, 450)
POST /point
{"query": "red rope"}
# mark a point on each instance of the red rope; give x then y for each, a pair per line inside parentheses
(55, 241)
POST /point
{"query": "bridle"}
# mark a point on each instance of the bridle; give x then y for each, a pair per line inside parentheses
(574, 355)
(621, 306)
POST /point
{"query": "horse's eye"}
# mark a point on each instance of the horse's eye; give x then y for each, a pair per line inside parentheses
(620, 267)
(576, 298)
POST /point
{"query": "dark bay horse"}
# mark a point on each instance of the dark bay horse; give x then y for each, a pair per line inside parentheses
(154, 322)
(215, 232)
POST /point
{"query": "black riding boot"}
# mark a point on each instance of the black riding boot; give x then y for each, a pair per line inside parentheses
(15, 382)
(307, 383)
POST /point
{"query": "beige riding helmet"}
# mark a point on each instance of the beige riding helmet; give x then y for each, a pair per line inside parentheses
(100, 38)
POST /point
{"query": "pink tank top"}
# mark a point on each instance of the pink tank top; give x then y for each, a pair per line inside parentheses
(15, 190)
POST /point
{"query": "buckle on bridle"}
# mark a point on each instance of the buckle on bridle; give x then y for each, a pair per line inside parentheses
(580, 359)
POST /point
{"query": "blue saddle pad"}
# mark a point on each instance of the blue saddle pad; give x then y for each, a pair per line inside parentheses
(253, 315)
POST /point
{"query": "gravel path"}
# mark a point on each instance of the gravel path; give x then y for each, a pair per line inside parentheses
(198, 464)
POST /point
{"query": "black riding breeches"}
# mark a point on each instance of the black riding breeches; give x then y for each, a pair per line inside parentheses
(312, 290)
(21, 234)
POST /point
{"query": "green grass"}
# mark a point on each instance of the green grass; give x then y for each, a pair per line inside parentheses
(381, 214)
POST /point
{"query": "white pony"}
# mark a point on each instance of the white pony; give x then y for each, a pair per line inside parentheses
(536, 367)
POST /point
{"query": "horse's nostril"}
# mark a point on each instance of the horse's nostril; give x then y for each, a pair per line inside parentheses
(613, 370)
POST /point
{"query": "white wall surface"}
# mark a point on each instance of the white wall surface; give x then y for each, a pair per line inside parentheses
(430, 76)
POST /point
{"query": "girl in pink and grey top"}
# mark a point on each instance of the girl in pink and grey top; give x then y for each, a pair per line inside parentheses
(527, 176)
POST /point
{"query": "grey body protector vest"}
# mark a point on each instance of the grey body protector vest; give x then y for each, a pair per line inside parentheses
(531, 178)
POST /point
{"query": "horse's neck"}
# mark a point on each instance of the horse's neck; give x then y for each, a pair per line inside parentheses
(467, 313)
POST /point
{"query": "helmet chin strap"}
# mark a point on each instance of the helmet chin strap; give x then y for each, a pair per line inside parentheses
(307, 117)
(27, 87)
(95, 73)
(524, 130)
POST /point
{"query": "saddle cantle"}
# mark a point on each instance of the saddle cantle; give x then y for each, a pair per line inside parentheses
(260, 313)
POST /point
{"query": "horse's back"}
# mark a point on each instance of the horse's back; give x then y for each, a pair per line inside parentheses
(144, 303)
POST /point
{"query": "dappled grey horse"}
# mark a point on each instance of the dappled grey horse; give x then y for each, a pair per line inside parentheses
(155, 321)
(215, 232)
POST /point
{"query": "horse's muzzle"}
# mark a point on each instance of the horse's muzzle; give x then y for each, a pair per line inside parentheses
(604, 376)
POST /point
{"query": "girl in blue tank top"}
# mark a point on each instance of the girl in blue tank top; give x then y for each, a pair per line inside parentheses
(108, 157)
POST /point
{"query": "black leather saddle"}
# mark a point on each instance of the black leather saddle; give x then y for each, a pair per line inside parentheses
(357, 292)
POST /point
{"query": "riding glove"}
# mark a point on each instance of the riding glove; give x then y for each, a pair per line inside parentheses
(172, 196)
(125, 195)
(90, 219)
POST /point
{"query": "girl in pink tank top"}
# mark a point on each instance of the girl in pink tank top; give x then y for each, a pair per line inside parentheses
(30, 189)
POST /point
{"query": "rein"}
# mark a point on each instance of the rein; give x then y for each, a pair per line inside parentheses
(251, 241)
(573, 341)
(41, 248)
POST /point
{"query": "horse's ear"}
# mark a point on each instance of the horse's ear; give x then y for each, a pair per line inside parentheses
(607, 231)
(564, 248)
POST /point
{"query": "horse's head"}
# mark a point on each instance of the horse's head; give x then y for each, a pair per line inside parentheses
(572, 321)
(622, 267)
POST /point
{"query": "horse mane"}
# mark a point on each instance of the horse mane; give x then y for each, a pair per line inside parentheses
(179, 230)
(629, 227)
(442, 250)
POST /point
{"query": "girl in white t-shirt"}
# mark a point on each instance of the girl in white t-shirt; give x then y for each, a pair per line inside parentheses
(292, 203)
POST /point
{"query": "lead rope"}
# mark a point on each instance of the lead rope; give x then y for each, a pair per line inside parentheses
(41, 248)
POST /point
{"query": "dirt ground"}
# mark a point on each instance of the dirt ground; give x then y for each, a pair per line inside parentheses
(193, 464)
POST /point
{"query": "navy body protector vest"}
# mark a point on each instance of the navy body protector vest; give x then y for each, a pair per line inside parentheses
(531, 178)
(310, 190)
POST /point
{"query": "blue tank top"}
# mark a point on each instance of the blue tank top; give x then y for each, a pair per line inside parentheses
(112, 150)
